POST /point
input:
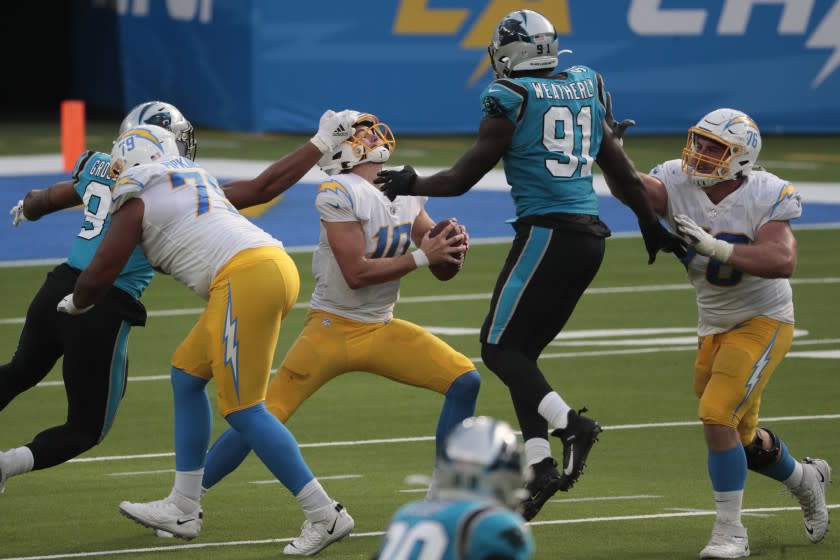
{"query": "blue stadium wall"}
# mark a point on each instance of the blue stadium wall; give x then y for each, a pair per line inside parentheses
(275, 65)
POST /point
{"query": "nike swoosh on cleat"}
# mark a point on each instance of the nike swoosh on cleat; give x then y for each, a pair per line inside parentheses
(182, 521)
(568, 470)
(331, 530)
(809, 529)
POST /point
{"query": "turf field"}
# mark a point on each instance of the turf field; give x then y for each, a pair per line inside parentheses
(627, 354)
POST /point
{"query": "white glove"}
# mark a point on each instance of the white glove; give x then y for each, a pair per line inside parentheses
(333, 129)
(702, 242)
(17, 213)
(66, 305)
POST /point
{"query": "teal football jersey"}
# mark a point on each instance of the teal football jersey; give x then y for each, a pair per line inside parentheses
(456, 530)
(93, 185)
(558, 119)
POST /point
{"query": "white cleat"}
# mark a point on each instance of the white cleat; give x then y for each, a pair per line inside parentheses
(811, 495)
(315, 537)
(164, 515)
(728, 541)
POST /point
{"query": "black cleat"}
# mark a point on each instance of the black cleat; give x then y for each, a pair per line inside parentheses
(578, 438)
(546, 482)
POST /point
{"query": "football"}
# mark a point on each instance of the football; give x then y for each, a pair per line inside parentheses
(445, 271)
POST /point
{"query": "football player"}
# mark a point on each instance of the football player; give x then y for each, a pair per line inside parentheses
(176, 211)
(736, 218)
(362, 254)
(548, 128)
(94, 374)
(471, 516)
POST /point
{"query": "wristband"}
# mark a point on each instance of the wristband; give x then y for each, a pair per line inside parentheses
(420, 258)
(320, 144)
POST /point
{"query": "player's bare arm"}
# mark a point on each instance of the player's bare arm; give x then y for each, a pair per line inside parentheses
(58, 196)
(276, 179)
(773, 255)
(122, 236)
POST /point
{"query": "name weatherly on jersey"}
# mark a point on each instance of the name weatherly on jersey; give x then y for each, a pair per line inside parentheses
(584, 89)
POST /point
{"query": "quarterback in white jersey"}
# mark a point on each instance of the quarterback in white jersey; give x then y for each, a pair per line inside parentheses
(362, 254)
(736, 220)
(187, 227)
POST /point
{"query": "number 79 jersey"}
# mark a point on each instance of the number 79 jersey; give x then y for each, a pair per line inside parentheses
(725, 296)
(558, 120)
(387, 230)
(190, 229)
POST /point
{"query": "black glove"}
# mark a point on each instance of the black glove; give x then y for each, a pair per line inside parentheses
(396, 182)
(618, 128)
(658, 238)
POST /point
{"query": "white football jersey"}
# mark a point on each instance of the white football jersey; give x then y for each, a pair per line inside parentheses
(387, 229)
(725, 296)
(190, 230)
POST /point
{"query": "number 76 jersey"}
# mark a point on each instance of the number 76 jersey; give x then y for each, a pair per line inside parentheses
(190, 229)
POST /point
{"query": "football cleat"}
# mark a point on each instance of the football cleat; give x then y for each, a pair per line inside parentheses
(544, 484)
(578, 437)
(811, 495)
(315, 537)
(728, 541)
(164, 515)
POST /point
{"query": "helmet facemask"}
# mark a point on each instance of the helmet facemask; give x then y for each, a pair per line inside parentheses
(724, 145)
(372, 142)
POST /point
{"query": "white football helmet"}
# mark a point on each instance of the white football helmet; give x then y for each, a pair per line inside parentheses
(372, 142)
(142, 144)
(167, 116)
(733, 129)
(482, 456)
(523, 40)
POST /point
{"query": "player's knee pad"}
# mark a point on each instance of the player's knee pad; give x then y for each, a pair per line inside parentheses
(758, 457)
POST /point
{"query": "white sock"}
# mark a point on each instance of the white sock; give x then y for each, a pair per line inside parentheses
(537, 449)
(795, 479)
(20, 461)
(187, 490)
(433, 486)
(728, 506)
(313, 499)
(555, 410)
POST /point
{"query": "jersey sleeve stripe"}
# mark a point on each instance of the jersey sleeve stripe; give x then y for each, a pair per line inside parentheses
(519, 91)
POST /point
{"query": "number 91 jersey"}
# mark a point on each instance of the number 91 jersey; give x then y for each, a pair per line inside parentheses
(387, 230)
(725, 296)
(558, 120)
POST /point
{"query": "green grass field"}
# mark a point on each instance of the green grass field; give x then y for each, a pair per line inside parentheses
(645, 494)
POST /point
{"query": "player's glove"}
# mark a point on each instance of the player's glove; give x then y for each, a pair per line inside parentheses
(618, 128)
(658, 238)
(333, 129)
(702, 242)
(17, 213)
(396, 182)
(66, 305)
